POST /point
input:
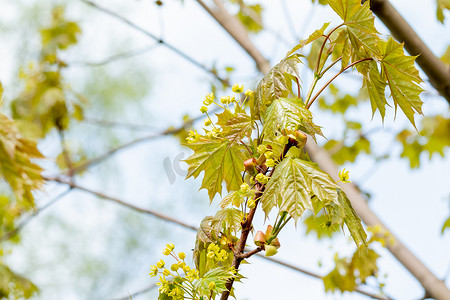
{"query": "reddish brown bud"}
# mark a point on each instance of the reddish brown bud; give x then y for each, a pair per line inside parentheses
(269, 230)
(275, 242)
(250, 166)
(260, 238)
(301, 138)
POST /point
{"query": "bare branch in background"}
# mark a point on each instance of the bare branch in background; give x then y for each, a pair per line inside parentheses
(114, 58)
(194, 228)
(437, 71)
(157, 39)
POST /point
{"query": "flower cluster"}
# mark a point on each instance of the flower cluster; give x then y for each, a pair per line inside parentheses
(344, 177)
(181, 274)
(214, 252)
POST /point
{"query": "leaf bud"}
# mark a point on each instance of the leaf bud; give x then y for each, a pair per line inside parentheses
(301, 138)
(275, 242)
(260, 238)
(250, 166)
(270, 250)
(269, 230)
(251, 203)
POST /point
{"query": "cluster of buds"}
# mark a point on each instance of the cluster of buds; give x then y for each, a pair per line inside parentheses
(216, 253)
(173, 288)
(193, 136)
(266, 240)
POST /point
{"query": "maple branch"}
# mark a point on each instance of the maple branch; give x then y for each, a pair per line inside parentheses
(83, 166)
(137, 293)
(124, 125)
(187, 226)
(114, 58)
(426, 278)
(240, 247)
(334, 77)
(237, 31)
(157, 39)
(437, 71)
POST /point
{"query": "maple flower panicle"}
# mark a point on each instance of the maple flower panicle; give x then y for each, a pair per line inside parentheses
(237, 88)
(344, 177)
(250, 94)
(192, 138)
(160, 264)
(270, 163)
(208, 99)
(153, 271)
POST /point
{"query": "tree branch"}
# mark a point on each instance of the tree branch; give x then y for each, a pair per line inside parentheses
(82, 167)
(238, 32)
(157, 39)
(436, 70)
(194, 228)
(426, 278)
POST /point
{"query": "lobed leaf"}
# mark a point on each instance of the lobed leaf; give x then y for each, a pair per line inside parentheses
(293, 186)
(275, 84)
(221, 160)
(402, 77)
(289, 114)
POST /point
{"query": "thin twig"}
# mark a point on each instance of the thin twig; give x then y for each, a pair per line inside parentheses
(22, 224)
(102, 157)
(140, 292)
(289, 20)
(157, 39)
(114, 58)
(109, 124)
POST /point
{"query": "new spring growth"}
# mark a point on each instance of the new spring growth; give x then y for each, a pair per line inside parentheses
(208, 99)
(237, 88)
(344, 177)
(262, 178)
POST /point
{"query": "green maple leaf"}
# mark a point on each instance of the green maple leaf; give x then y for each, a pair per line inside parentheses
(227, 219)
(289, 114)
(351, 219)
(235, 126)
(297, 185)
(376, 88)
(16, 162)
(441, 5)
(314, 36)
(275, 84)
(221, 160)
(360, 24)
(402, 77)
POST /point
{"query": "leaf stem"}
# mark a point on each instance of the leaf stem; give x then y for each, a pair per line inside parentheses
(298, 87)
(327, 37)
(330, 66)
(334, 77)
